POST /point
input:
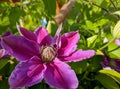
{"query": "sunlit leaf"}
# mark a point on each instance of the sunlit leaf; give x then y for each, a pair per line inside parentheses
(114, 51)
(50, 7)
(90, 40)
(107, 82)
(113, 74)
(117, 13)
(116, 30)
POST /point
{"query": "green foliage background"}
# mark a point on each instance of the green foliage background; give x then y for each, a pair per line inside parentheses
(94, 19)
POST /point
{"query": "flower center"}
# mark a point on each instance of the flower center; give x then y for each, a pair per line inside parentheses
(48, 53)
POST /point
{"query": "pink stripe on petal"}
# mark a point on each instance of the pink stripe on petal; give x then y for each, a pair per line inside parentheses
(20, 47)
(43, 38)
(68, 43)
(58, 31)
(61, 76)
(27, 73)
(56, 40)
(78, 56)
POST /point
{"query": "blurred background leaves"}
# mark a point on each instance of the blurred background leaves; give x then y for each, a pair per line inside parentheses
(94, 19)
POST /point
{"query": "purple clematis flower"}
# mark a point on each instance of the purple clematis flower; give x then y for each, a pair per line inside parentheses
(42, 56)
(3, 52)
(111, 63)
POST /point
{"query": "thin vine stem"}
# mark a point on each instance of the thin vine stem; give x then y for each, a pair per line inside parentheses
(116, 8)
(104, 9)
(107, 44)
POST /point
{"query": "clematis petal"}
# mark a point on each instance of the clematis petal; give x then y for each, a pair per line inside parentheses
(43, 38)
(19, 47)
(105, 62)
(68, 43)
(27, 73)
(26, 33)
(78, 56)
(58, 31)
(57, 41)
(2, 53)
(118, 65)
(60, 75)
(6, 34)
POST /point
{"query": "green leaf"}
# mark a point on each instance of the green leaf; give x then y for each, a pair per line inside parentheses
(3, 62)
(4, 84)
(98, 52)
(50, 7)
(114, 51)
(95, 63)
(116, 30)
(107, 81)
(79, 67)
(91, 40)
(115, 54)
(115, 75)
(15, 13)
(51, 28)
(105, 3)
(117, 13)
(62, 1)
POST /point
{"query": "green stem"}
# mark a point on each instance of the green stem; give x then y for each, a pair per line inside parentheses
(116, 8)
(85, 74)
(89, 79)
(104, 9)
(107, 44)
(44, 84)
